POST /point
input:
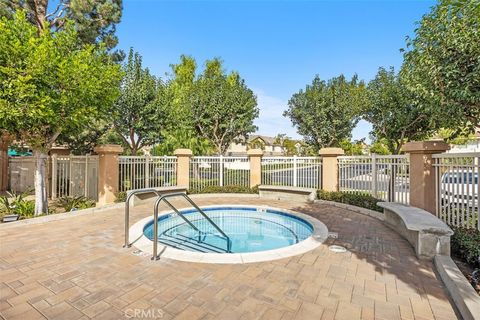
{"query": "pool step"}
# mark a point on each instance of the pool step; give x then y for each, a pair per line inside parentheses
(185, 243)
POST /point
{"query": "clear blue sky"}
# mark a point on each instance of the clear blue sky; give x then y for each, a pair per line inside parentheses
(276, 46)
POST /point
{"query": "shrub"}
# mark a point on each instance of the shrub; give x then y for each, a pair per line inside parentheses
(78, 202)
(356, 199)
(466, 245)
(14, 203)
(224, 189)
(121, 196)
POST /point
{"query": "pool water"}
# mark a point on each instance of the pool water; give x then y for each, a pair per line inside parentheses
(249, 229)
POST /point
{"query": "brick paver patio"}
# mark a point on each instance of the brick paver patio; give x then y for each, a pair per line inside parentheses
(77, 269)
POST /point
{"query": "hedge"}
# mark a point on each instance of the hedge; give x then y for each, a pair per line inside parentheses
(356, 199)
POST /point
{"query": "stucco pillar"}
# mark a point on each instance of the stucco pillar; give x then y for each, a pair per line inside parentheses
(5, 140)
(183, 167)
(255, 159)
(422, 172)
(330, 167)
(107, 172)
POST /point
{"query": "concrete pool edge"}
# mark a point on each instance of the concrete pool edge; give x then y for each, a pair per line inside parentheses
(142, 243)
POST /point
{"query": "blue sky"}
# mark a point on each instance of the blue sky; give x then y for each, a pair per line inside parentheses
(276, 46)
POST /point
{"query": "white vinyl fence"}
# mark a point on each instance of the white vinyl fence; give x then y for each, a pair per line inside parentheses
(219, 171)
(137, 172)
(294, 171)
(384, 177)
(457, 188)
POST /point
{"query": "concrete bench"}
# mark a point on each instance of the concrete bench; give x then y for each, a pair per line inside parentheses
(427, 234)
(140, 198)
(287, 193)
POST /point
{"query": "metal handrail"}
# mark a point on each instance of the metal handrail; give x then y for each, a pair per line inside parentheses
(155, 220)
(131, 193)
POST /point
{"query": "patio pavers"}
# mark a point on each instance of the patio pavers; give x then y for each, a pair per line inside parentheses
(77, 269)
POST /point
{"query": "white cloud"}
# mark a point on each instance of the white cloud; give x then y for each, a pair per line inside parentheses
(271, 120)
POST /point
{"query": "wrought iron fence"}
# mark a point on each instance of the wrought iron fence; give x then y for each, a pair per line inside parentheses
(384, 177)
(137, 172)
(457, 188)
(294, 171)
(219, 171)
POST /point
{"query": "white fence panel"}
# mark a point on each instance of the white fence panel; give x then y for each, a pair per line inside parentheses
(457, 188)
(137, 172)
(384, 177)
(74, 176)
(219, 171)
(294, 171)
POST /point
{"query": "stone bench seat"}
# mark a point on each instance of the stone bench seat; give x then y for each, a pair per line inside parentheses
(140, 198)
(287, 193)
(428, 235)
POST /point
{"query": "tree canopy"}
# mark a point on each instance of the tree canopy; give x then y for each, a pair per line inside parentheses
(223, 107)
(50, 85)
(94, 20)
(326, 111)
(394, 112)
(442, 63)
(138, 114)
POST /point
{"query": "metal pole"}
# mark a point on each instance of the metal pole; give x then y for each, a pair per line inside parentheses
(155, 229)
(295, 171)
(374, 175)
(86, 176)
(221, 171)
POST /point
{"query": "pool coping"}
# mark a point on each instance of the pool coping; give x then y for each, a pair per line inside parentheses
(145, 245)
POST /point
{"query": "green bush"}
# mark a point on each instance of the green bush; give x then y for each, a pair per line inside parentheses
(356, 199)
(14, 203)
(466, 245)
(224, 189)
(78, 202)
(121, 196)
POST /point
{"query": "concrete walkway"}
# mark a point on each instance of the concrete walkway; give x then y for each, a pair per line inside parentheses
(77, 269)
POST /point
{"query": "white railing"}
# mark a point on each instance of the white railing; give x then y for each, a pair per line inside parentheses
(219, 171)
(137, 172)
(294, 171)
(384, 177)
(74, 176)
(21, 174)
(457, 188)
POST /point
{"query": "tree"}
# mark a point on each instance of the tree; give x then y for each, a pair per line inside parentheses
(442, 63)
(326, 112)
(354, 148)
(223, 107)
(94, 20)
(380, 147)
(49, 86)
(138, 114)
(394, 112)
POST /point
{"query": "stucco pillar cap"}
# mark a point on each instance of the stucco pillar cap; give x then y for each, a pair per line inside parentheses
(331, 152)
(108, 148)
(255, 152)
(183, 152)
(432, 146)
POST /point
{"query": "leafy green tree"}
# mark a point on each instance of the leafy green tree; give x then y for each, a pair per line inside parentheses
(326, 111)
(394, 112)
(94, 20)
(288, 144)
(139, 115)
(183, 139)
(354, 148)
(442, 63)
(223, 107)
(380, 147)
(49, 85)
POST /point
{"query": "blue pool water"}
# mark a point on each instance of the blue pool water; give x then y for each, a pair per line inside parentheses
(250, 230)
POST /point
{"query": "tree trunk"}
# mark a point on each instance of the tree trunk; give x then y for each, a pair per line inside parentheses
(41, 200)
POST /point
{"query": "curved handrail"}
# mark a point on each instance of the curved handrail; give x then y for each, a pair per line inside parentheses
(155, 220)
(131, 193)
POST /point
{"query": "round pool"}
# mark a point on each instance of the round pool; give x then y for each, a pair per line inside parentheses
(245, 230)
(252, 234)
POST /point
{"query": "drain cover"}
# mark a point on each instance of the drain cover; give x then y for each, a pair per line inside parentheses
(337, 249)
(333, 235)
